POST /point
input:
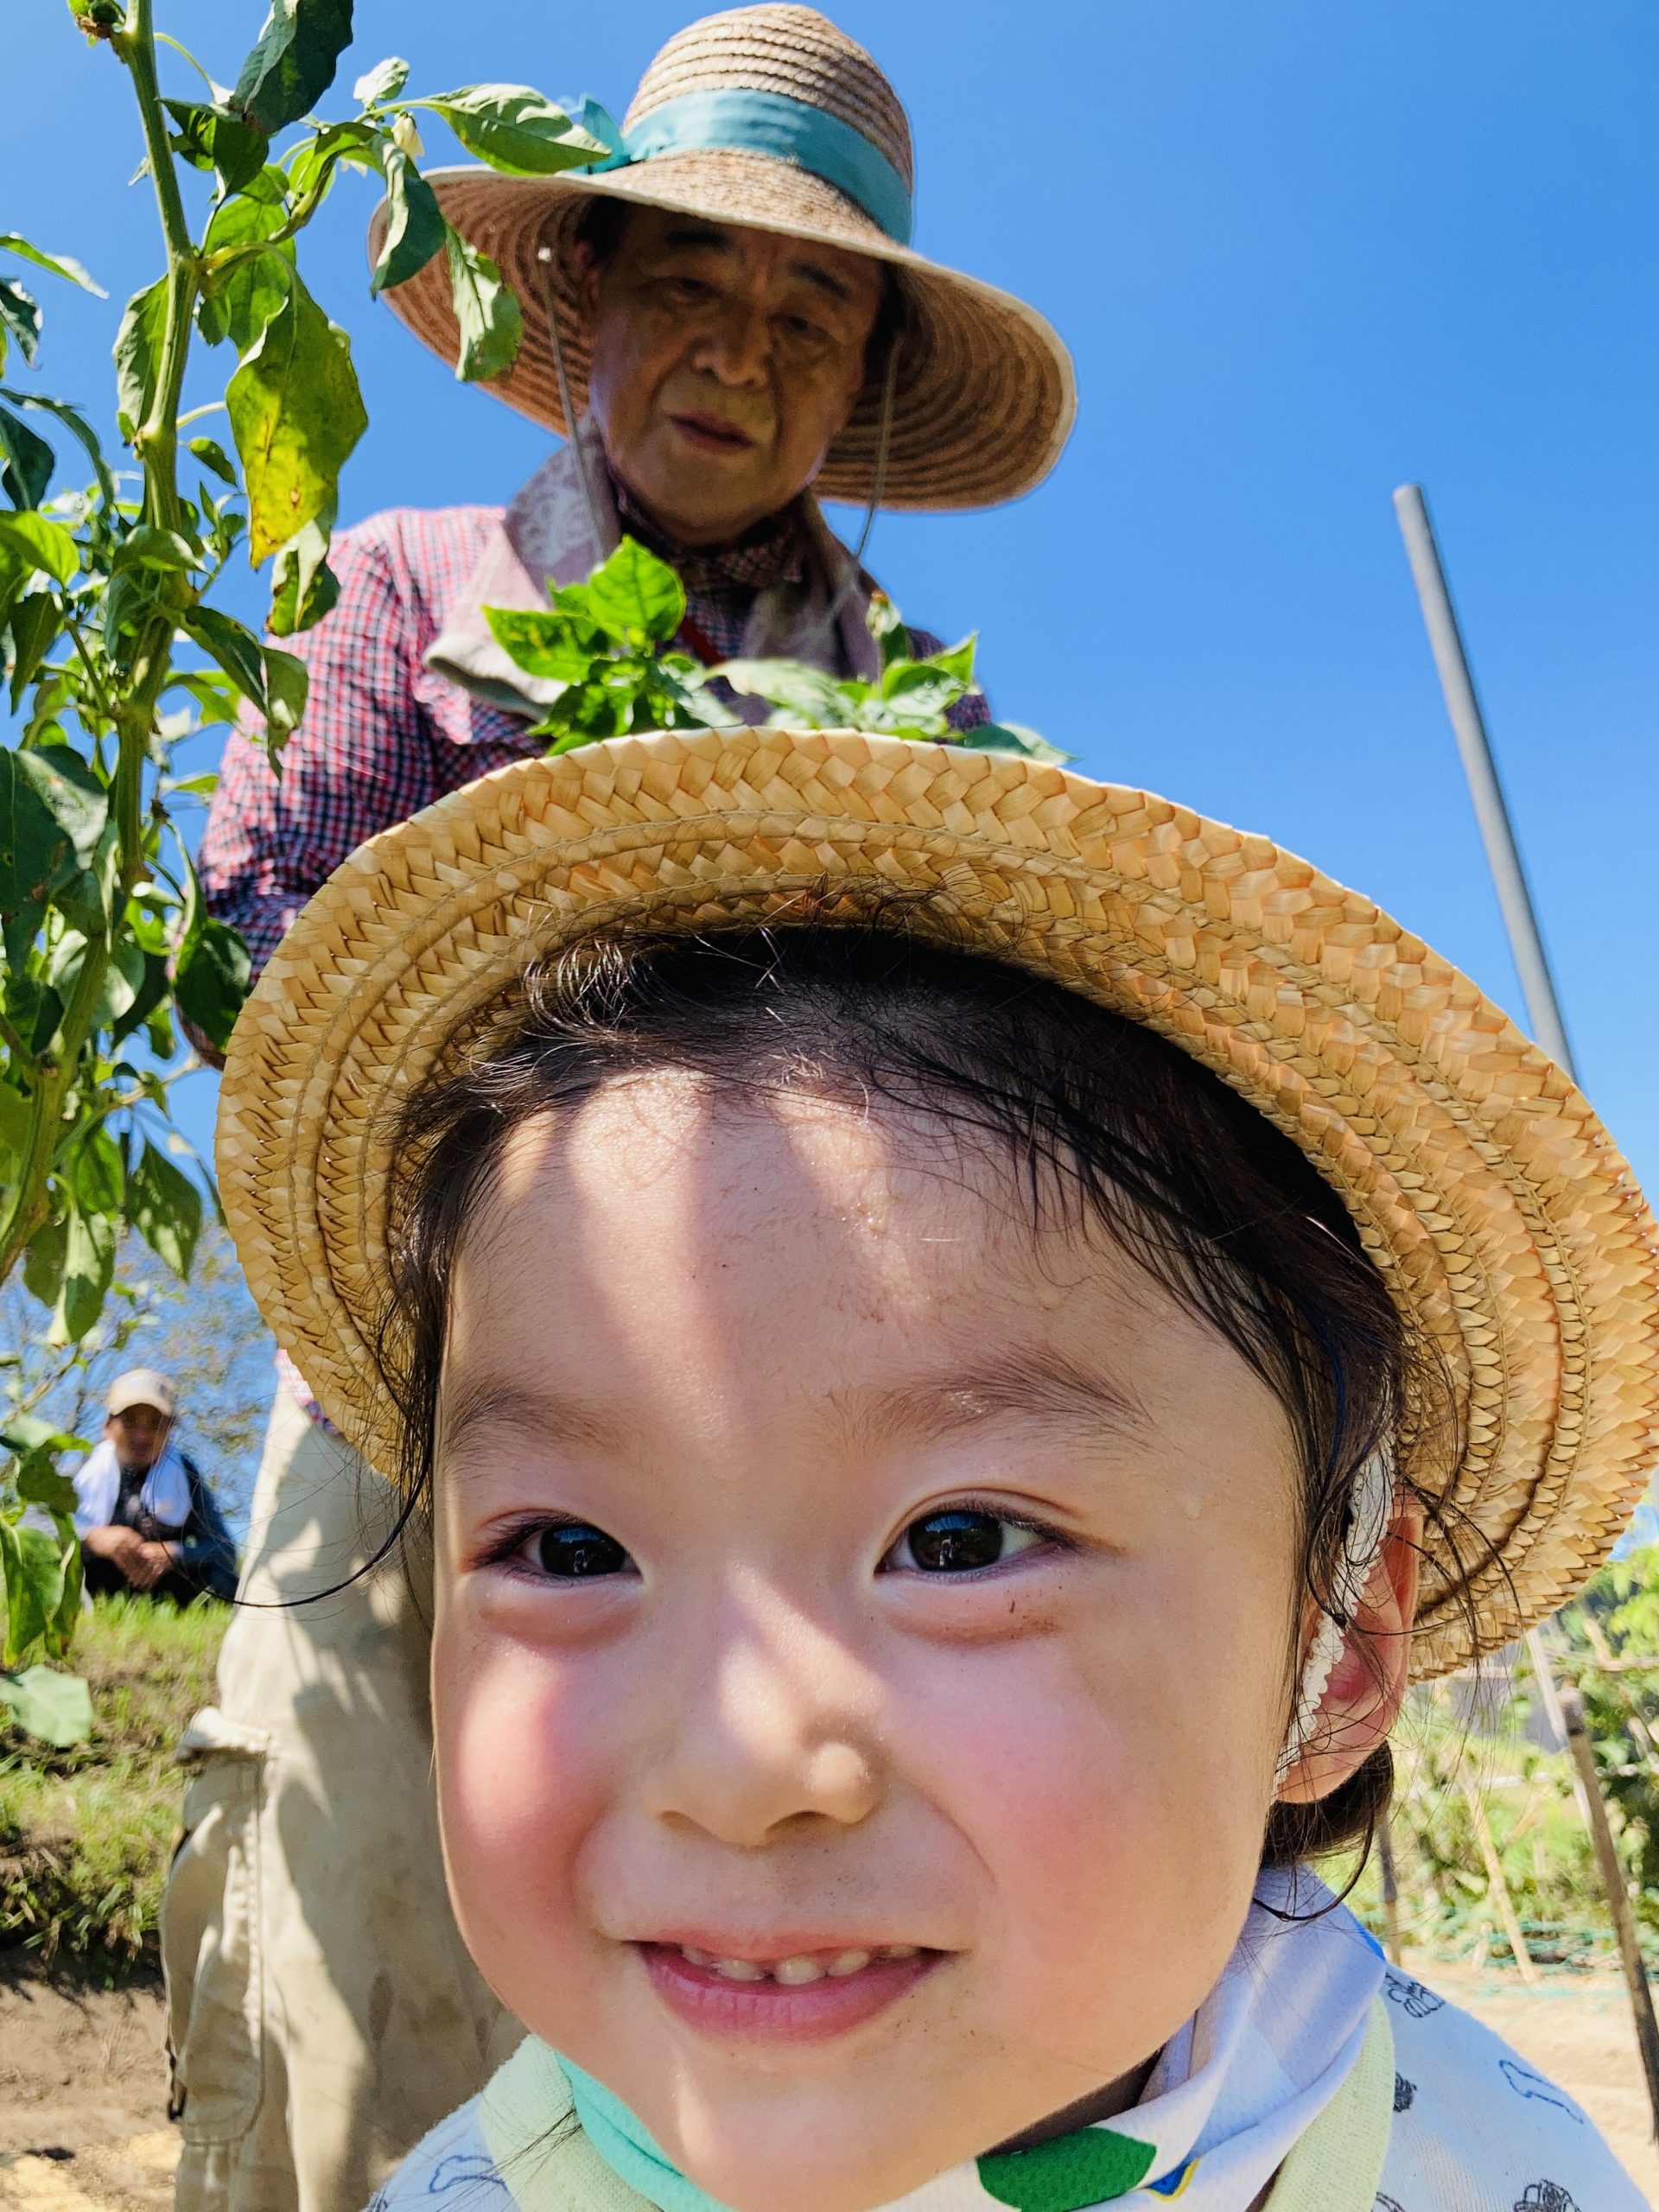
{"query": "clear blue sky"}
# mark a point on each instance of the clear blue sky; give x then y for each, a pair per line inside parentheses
(1302, 250)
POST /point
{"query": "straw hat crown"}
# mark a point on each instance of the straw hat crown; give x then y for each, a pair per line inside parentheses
(794, 51)
(982, 395)
(1506, 1226)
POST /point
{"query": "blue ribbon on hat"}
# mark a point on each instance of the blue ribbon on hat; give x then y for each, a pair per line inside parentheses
(739, 121)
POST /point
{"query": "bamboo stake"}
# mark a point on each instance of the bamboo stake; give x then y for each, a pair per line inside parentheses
(1497, 1888)
(1390, 1889)
(1612, 1876)
(1544, 1009)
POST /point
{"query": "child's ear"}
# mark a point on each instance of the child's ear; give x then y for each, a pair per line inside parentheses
(1367, 1684)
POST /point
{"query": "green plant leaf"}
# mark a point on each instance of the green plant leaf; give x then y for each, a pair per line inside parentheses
(60, 264)
(19, 318)
(238, 302)
(77, 424)
(34, 848)
(885, 624)
(88, 1270)
(516, 129)
(212, 455)
(492, 326)
(275, 681)
(28, 461)
(547, 645)
(147, 546)
(210, 139)
(31, 1579)
(956, 662)
(296, 414)
(312, 163)
(71, 789)
(55, 1708)
(138, 357)
(1012, 737)
(212, 982)
(818, 699)
(294, 62)
(288, 681)
(40, 1483)
(415, 226)
(636, 596)
(43, 1261)
(165, 1207)
(383, 82)
(36, 622)
(44, 545)
(303, 586)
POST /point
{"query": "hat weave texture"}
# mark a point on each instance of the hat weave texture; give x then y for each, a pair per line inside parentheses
(984, 397)
(1483, 1185)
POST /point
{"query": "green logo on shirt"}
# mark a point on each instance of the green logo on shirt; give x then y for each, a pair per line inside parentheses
(1090, 2167)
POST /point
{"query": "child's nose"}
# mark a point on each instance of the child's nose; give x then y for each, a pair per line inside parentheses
(774, 1733)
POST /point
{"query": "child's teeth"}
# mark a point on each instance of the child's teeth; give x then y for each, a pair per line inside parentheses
(902, 1950)
(737, 1969)
(696, 1957)
(794, 1971)
(848, 1962)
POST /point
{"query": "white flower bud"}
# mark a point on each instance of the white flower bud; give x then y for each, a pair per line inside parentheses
(406, 138)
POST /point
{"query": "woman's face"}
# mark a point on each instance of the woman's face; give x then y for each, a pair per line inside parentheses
(726, 361)
(862, 1638)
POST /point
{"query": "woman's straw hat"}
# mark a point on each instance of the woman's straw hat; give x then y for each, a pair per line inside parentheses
(983, 397)
(1503, 1220)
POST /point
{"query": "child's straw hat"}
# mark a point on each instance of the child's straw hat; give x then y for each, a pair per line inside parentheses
(1483, 1185)
(771, 117)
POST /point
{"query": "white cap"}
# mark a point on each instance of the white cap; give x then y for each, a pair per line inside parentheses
(140, 1386)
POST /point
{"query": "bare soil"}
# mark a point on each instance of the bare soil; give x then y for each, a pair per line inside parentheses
(83, 2098)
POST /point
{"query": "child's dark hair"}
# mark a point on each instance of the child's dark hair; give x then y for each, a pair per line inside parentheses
(1099, 1117)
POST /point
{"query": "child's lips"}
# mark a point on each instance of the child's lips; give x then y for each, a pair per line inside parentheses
(802, 1995)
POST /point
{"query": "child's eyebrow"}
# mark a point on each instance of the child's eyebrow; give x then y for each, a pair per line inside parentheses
(1040, 1383)
(488, 1402)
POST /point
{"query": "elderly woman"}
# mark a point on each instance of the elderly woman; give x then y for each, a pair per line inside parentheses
(733, 322)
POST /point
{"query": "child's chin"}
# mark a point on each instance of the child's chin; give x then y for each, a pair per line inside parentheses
(807, 2181)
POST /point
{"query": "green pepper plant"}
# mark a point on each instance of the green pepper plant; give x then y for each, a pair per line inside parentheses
(607, 645)
(115, 650)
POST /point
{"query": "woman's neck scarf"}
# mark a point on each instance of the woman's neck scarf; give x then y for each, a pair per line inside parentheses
(166, 1494)
(1230, 2094)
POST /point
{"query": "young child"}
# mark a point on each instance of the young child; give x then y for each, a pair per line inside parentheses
(964, 1334)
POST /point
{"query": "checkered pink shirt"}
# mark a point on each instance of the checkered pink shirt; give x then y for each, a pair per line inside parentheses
(383, 736)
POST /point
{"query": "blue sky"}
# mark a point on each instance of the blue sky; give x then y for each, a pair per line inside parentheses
(1302, 250)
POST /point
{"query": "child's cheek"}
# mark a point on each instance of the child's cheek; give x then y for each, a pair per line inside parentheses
(518, 1790)
(1121, 1859)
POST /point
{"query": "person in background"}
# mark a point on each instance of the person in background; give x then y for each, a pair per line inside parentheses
(724, 324)
(145, 1515)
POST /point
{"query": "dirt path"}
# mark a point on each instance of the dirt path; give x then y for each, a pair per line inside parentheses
(83, 2124)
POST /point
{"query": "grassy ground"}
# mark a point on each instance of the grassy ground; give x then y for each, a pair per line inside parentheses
(86, 1835)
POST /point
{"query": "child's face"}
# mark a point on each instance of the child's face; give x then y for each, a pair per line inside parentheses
(934, 1639)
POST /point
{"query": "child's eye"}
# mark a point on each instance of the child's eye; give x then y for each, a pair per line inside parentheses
(573, 1550)
(960, 1540)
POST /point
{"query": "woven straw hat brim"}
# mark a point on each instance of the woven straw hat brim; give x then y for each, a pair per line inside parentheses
(984, 399)
(1502, 1217)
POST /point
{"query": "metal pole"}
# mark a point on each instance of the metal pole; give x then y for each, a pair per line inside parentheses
(1491, 810)
(1544, 1010)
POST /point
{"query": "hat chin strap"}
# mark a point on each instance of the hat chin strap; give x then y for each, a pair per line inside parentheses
(573, 429)
(1372, 1509)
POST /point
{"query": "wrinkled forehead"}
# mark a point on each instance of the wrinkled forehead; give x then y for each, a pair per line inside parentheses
(665, 235)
